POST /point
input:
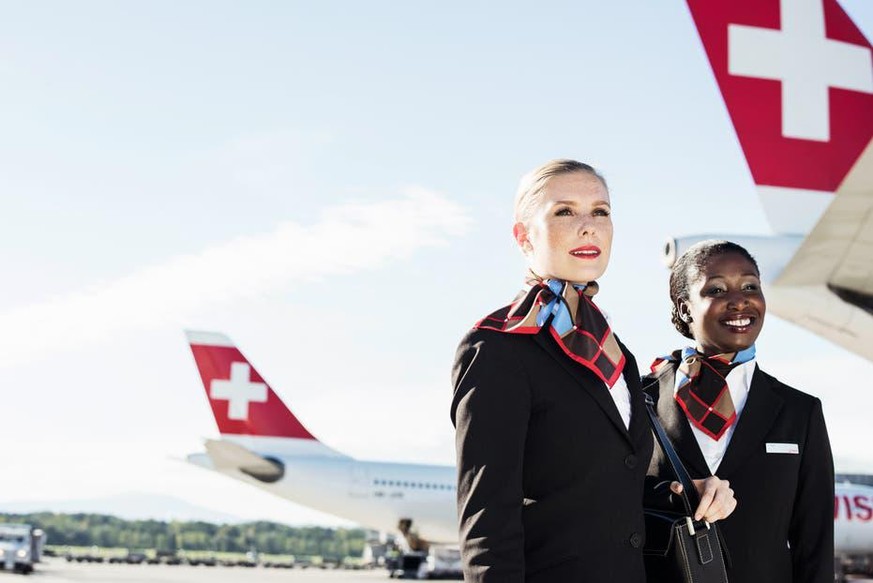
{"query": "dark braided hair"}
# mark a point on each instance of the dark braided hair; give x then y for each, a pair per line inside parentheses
(687, 268)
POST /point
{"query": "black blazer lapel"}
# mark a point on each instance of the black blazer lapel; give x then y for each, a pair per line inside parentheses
(677, 427)
(760, 411)
(587, 379)
(639, 422)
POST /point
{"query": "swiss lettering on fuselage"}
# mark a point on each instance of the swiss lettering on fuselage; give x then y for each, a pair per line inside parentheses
(853, 507)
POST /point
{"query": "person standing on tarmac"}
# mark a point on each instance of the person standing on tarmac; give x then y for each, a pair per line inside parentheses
(552, 438)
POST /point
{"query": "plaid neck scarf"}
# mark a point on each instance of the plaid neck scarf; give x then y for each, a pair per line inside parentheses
(579, 328)
(701, 389)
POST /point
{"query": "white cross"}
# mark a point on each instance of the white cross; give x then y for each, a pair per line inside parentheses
(805, 61)
(239, 391)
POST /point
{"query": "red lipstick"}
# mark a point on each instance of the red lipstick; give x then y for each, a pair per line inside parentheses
(586, 252)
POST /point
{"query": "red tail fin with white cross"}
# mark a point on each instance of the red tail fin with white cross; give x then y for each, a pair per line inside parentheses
(242, 402)
(797, 79)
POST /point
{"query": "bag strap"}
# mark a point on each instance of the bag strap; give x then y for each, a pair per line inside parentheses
(689, 493)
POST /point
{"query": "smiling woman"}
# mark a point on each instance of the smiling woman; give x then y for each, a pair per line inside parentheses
(717, 298)
(729, 418)
(565, 230)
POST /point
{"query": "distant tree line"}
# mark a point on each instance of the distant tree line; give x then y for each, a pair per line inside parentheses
(85, 530)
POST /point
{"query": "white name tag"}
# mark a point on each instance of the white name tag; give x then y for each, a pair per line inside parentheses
(783, 448)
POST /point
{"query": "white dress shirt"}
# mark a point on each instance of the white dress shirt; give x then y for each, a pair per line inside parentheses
(619, 391)
(739, 381)
(621, 395)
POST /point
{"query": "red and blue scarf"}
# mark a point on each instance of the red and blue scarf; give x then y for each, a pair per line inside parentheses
(576, 324)
(701, 388)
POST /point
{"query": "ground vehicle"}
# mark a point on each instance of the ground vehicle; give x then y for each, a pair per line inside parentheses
(438, 562)
(20, 547)
(442, 562)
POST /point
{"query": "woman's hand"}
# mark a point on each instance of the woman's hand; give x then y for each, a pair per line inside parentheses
(716, 498)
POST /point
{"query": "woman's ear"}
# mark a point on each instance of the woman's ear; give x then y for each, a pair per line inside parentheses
(683, 311)
(519, 232)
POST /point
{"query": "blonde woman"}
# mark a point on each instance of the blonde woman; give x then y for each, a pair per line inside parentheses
(552, 438)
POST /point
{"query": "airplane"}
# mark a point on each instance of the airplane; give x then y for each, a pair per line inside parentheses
(797, 79)
(264, 444)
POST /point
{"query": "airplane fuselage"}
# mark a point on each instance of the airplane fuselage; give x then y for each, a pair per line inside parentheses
(853, 518)
(374, 494)
(380, 494)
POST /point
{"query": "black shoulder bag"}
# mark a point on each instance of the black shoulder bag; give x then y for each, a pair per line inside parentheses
(678, 548)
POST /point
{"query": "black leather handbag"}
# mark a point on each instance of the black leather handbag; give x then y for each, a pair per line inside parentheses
(678, 548)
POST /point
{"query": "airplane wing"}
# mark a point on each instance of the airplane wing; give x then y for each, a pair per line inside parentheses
(827, 286)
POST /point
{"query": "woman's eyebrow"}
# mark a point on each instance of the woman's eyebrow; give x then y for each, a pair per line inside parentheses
(719, 276)
(574, 202)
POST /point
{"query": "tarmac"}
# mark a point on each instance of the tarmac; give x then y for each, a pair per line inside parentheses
(58, 570)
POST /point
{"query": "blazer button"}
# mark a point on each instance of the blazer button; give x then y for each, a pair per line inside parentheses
(630, 461)
(636, 540)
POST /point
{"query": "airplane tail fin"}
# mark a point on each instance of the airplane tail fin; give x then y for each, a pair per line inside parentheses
(242, 402)
(802, 122)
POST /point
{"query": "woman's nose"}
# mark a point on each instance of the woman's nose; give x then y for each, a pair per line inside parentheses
(586, 226)
(737, 299)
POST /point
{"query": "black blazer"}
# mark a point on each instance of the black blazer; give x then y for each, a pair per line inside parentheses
(782, 530)
(550, 482)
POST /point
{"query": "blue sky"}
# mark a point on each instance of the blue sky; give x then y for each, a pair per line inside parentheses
(330, 184)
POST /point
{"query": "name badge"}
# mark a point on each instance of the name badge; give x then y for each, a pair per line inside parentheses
(783, 448)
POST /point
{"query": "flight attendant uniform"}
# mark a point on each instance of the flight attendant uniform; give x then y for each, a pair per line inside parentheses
(551, 460)
(777, 457)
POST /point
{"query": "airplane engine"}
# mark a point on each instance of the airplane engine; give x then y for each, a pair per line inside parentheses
(771, 252)
(271, 471)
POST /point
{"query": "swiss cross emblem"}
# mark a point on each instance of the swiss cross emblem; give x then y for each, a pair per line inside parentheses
(797, 78)
(238, 391)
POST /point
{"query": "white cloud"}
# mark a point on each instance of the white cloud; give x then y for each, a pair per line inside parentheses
(348, 239)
